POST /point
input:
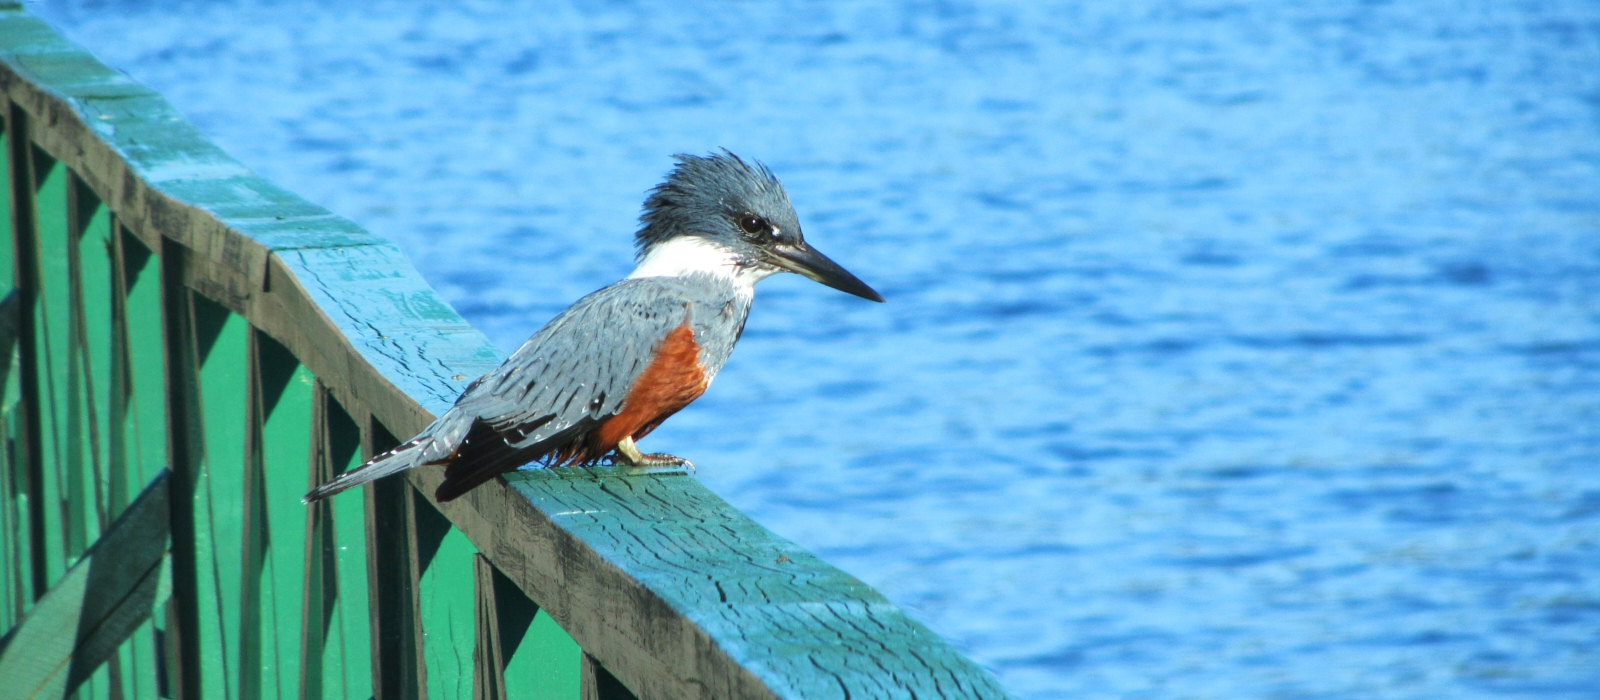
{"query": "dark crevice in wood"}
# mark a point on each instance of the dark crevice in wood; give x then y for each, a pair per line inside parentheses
(597, 683)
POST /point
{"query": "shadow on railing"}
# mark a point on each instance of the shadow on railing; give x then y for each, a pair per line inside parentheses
(195, 347)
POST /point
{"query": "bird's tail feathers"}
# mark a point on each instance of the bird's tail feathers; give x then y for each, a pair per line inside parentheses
(433, 446)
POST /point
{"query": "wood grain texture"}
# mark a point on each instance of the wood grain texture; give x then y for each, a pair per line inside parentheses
(670, 590)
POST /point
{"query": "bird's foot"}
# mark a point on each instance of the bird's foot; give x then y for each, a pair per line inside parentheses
(660, 463)
(638, 464)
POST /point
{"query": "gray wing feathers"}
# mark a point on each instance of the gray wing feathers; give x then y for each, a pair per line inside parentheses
(582, 364)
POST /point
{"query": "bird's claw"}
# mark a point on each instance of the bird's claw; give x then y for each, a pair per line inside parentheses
(659, 463)
(628, 455)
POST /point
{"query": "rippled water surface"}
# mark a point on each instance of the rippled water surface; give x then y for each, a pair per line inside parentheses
(1232, 350)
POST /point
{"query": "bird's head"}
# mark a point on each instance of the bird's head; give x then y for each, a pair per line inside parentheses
(722, 215)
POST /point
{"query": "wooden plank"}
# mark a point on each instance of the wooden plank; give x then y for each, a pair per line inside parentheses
(141, 415)
(59, 454)
(13, 503)
(391, 580)
(137, 427)
(520, 652)
(445, 599)
(29, 472)
(14, 560)
(88, 367)
(181, 626)
(349, 631)
(93, 291)
(677, 592)
(281, 453)
(101, 600)
(488, 661)
(221, 347)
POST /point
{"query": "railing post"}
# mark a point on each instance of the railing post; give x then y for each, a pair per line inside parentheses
(183, 450)
(20, 156)
(391, 580)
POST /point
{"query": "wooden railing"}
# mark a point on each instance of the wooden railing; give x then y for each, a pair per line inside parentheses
(189, 348)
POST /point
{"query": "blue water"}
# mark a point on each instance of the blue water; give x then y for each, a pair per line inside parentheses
(1233, 350)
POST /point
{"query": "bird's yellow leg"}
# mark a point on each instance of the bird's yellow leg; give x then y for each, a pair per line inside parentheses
(653, 463)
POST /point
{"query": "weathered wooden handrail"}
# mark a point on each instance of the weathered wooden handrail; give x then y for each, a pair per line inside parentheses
(179, 312)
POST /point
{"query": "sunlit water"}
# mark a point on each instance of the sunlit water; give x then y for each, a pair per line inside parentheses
(1232, 350)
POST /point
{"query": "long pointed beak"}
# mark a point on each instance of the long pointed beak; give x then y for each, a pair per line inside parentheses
(802, 259)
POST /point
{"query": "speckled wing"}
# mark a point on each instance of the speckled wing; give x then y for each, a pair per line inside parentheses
(579, 367)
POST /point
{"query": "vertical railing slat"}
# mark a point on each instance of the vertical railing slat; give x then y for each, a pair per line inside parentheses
(142, 418)
(63, 487)
(221, 348)
(391, 581)
(348, 669)
(445, 593)
(180, 635)
(92, 328)
(521, 652)
(281, 453)
(137, 424)
(13, 499)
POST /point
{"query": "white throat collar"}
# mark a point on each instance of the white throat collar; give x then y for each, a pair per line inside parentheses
(687, 255)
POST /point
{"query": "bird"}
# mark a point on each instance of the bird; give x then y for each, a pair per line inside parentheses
(609, 369)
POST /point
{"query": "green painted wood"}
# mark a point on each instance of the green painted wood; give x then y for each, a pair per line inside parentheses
(221, 348)
(137, 388)
(86, 616)
(28, 470)
(91, 362)
(14, 559)
(545, 665)
(520, 651)
(541, 662)
(181, 622)
(63, 493)
(274, 574)
(391, 578)
(445, 592)
(88, 366)
(143, 420)
(346, 662)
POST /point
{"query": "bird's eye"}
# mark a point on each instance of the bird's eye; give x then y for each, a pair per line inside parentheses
(752, 224)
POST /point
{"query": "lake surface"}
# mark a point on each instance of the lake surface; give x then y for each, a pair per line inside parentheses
(1233, 350)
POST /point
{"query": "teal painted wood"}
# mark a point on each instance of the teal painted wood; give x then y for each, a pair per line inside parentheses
(96, 605)
(669, 589)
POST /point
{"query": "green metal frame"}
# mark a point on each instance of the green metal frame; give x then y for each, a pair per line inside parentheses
(189, 348)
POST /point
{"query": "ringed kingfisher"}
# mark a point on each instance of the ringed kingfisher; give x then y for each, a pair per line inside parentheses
(609, 369)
